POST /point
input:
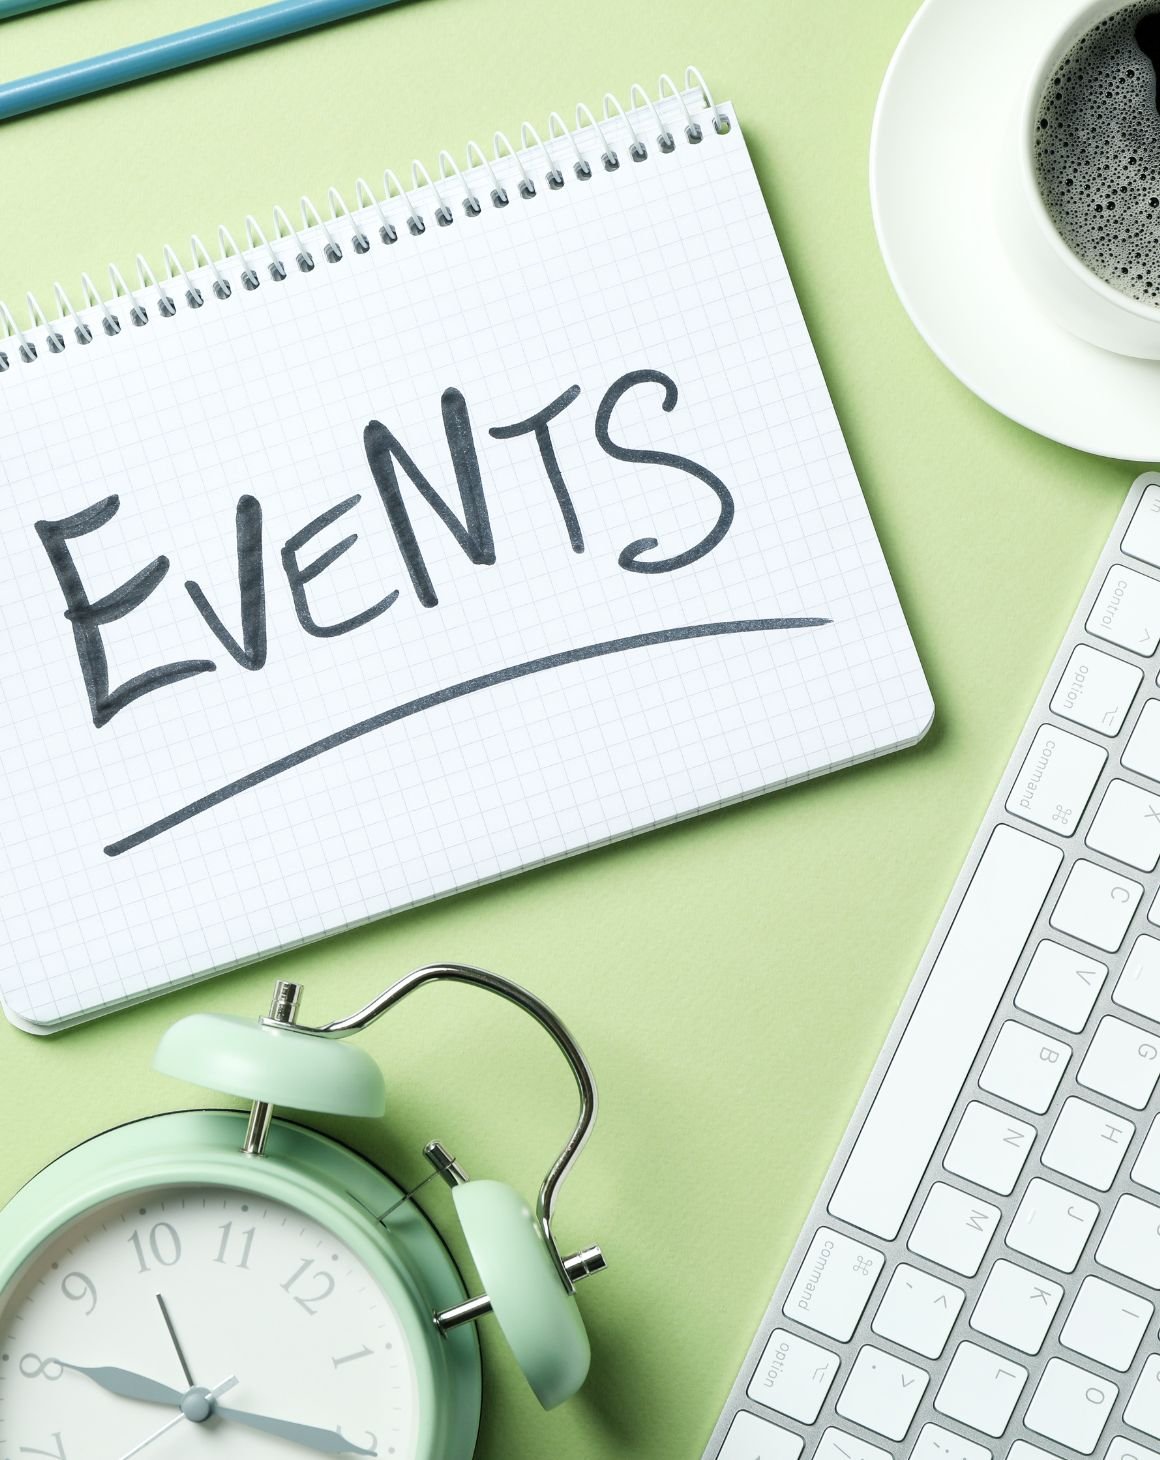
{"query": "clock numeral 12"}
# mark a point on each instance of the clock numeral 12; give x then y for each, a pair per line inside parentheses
(226, 1229)
(325, 1286)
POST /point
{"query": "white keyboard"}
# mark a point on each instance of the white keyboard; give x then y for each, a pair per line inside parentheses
(980, 1275)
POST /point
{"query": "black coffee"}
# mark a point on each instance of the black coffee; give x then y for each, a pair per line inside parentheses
(1097, 150)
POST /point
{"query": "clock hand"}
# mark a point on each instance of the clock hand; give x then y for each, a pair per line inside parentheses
(128, 1385)
(203, 1394)
(181, 1359)
(326, 1442)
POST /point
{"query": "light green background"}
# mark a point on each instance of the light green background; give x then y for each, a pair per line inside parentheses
(733, 977)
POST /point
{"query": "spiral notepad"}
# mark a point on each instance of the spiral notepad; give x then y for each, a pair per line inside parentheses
(381, 554)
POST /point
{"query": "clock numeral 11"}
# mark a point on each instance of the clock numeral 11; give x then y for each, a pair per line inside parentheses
(227, 1229)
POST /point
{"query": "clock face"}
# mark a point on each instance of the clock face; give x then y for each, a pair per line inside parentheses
(202, 1322)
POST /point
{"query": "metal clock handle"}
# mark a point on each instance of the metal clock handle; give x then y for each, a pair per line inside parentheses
(283, 1015)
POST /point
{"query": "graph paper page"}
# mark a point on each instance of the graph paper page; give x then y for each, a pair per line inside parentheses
(433, 562)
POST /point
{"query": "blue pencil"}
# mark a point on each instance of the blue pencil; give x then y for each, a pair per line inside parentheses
(170, 52)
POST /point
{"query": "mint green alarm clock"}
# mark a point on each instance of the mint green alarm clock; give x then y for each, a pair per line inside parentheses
(207, 1284)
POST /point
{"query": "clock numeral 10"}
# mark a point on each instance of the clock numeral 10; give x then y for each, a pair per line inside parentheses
(57, 1454)
(227, 1230)
(164, 1245)
(323, 1286)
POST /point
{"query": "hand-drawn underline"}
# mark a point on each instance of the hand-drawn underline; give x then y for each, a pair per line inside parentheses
(443, 697)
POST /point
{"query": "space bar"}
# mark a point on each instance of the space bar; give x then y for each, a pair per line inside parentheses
(944, 1032)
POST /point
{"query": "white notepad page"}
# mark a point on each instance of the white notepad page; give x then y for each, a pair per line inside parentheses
(553, 699)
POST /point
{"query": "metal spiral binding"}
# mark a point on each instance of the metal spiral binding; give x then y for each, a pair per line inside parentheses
(125, 304)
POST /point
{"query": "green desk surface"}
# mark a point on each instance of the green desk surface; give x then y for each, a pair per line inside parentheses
(732, 977)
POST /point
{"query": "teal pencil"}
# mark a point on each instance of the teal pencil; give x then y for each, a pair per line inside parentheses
(9, 8)
(169, 52)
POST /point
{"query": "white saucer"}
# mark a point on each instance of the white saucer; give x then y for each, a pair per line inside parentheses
(947, 110)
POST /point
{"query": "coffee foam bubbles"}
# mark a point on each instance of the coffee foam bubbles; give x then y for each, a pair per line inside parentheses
(1097, 154)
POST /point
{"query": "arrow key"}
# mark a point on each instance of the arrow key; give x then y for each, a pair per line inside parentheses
(918, 1311)
(882, 1393)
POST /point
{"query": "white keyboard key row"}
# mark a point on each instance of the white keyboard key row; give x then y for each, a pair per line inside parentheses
(1062, 986)
(1138, 986)
(1052, 1225)
(882, 1393)
(1122, 1062)
(954, 1229)
(1127, 826)
(1096, 690)
(1071, 1406)
(981, 1389)
(1142, 1410)
(935, 1443)
(1142, 752)
(1142, 539)
(967, 980)
(1056, 781)
(1131, 1243)
(1016, 1307)
(793, 1376)
(1127, 611)
(836, 1444)
(1025, 1067)
(1087, 1143)
(1096, 905)
(989, 1148)
(833, 1284)
(1106, 1323)
(918, 1311)
(752, 1438)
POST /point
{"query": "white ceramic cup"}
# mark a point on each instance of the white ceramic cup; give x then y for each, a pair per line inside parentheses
(1068, 291)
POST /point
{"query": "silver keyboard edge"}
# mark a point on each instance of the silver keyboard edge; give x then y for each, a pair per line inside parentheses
(996, 815)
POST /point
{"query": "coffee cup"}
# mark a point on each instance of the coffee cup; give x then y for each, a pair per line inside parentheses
(1070, 291)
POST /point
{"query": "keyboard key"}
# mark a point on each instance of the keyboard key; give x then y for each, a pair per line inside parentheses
(1096, 905)
(1142, 752)
(1142, 1411)
(1061, 986)
(833, 1284)
(935, 1443)
(1138, 987)
(793, 1376)
(1056, 780)
(1127, 611)
(1142, 539)
(918, 1311)
(969, 976)
(838, 1445)
(989, 1148)
(981, 1389)
(1131, 1244)
(954, 1229)
(1052, 1225)
(1106, 1323)
(1147, 1168)
(1025, 1067)
(1127, 826)
(882, 1393)
(1016, 1307)
(1096, 691)
(1021, 1450)
(1123, 1449)
(751, 1438)
(1071, 1406)
(1088, 1143)
(1122, 1062)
